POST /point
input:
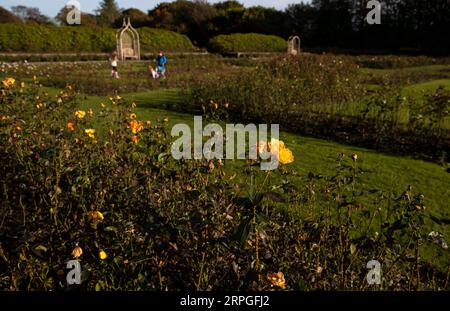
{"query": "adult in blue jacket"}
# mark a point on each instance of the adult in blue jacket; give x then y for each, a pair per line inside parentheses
(161, 62)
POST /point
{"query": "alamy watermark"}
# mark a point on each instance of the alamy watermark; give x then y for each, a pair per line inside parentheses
(74, 275)
(74, 12)
(213, 148)
(374, 275)
(374, 15)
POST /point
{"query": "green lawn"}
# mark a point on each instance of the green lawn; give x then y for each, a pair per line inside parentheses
(436, 69)
(428, 86)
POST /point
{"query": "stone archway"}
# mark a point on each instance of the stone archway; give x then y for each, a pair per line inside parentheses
(294, 45)
(128, 46)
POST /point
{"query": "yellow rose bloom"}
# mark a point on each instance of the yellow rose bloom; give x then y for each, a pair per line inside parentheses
(80, 114)
(9, 82)
(278, 149)
(95, 216)
(285, 156)
(90, 133)
(275, 145)
(136, 127)
(102, 255)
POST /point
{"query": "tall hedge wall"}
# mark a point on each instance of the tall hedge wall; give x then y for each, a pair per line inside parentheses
(34, 38)
(249, 42)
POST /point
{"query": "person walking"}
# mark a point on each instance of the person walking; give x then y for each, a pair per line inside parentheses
(161, 62)
(114, 62)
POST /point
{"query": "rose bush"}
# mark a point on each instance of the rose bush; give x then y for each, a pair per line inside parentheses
(101, 187)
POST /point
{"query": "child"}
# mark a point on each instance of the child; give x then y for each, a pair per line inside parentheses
(154, 73)
(114, 60)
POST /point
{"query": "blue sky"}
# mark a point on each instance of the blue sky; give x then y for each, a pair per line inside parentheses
(51, 7)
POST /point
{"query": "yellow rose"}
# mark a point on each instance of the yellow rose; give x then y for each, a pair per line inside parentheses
(80, 114)
(95, 216)
(136, 127)
(275, 145)
(285, 156)
(9, 82)
(90, 133)
(102, 255)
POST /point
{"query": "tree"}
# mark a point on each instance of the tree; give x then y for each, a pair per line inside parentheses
(30, 15)
(301, 21)
(137, 17)
(8, 17)
(228, 5)
(229, 17)
(108, 12)
(259, 19)
(334, 22)
(193, 18)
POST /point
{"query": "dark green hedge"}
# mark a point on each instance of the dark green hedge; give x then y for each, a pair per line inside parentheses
(34, 38)
(249, 42)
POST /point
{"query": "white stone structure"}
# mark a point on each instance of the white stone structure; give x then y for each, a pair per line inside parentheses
(294, 45)
(128, 46)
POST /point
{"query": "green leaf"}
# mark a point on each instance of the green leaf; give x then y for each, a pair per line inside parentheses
(161, 157)
(352, 248)
(243, 230)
